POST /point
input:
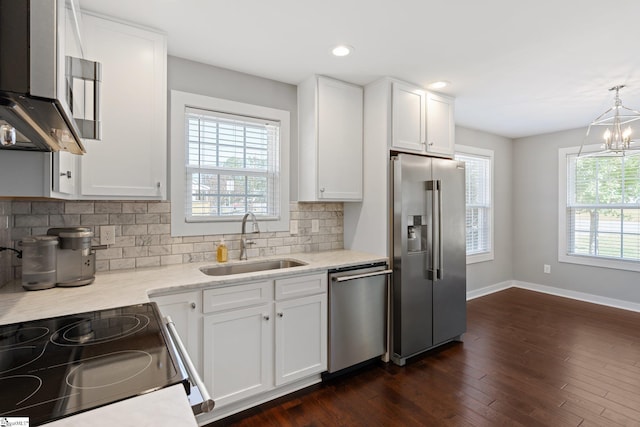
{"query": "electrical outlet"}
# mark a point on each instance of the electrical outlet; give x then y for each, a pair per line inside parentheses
(107, 235)
(315, 225)
(547, 268)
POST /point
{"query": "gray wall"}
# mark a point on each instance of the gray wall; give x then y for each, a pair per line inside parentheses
(203, 79)
(500, 269)
(535, 223)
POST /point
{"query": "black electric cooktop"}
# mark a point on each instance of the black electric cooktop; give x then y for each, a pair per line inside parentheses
(56, 367)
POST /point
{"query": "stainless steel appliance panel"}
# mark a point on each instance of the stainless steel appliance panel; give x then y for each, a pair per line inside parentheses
(450, 289)
(357, 315)
(428, 253)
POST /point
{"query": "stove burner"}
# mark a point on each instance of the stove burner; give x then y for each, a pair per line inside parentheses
(22, 388)
(97, 331)
(10, 337)
(97, 372)
(56, 367)
(15, 358)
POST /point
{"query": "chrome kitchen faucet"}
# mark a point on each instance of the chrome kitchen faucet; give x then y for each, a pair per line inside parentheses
(243, 238)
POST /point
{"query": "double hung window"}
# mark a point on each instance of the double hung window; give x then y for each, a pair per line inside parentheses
(227, 158)
(232, 166)
(600, 210)
(479, 206)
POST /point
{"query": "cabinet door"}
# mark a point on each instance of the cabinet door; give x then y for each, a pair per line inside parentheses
(301, 338)
(184, 310)
(130, 160)
(440, 125)
(238, 353)
(339, 140)
(408, 117)
(65, 172)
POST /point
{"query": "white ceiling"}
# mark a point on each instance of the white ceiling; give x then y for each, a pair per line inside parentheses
(516, 68)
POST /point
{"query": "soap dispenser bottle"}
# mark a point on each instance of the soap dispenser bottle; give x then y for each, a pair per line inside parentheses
(222, 253)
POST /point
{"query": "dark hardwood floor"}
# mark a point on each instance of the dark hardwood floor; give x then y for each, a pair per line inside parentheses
(527, 359)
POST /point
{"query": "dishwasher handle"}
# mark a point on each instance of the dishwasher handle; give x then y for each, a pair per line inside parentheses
(208, 403)
(361, 276)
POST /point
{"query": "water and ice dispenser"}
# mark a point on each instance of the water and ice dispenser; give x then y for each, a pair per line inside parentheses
(416, 233)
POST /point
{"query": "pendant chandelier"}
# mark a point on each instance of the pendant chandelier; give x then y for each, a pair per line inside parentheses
(620, 136)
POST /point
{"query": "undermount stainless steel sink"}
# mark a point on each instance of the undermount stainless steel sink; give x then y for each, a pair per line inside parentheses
(250, 267)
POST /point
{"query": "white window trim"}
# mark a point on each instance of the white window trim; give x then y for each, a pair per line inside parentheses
(465, 149)
(179, 102)
(563, 256)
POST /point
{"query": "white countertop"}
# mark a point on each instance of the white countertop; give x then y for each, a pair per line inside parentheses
(116, 289)
(127, 287)
(165, 407)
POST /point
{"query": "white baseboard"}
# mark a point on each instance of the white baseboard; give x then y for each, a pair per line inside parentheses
(489, 289)
(580, 296)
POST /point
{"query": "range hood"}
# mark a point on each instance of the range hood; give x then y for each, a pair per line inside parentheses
(37, 79)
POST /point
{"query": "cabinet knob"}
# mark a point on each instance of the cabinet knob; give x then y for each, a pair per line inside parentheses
(430, 143)
(265, 317)
(280, 314)
(322, 189)
(193, 305)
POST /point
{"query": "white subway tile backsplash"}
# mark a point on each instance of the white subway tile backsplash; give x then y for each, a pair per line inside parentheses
(134, 230)
(94, 219)
(122, 264)
(151, 261)
(159, 207)
(159, 229)
(170, 259)
(143, 232)
(134, 207)
(78, 207)
(47, 207)
(108, 207)
(147, 219)
(122, 218)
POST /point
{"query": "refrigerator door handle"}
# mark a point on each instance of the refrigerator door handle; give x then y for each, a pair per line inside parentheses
(439, 270)
(432, 271)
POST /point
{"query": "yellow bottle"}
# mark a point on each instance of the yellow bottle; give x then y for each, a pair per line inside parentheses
(222, 253)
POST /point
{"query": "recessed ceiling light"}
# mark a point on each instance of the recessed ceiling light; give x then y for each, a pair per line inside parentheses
(439, 84)
(342, 50)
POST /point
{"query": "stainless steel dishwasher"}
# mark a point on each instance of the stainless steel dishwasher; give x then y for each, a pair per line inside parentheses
(357, 314)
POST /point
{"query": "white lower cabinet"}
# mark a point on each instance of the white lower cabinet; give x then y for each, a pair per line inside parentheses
(263, 339)
(185, 311)
(237, 353)
(252, 342)
(301, 338)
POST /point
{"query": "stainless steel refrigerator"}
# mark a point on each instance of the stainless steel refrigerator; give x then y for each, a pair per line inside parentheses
(428, 253)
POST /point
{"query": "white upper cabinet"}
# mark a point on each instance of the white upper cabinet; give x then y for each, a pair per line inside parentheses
(408, 117)
(440, 124)
(330, 140)
(421, 121)
(130, 159)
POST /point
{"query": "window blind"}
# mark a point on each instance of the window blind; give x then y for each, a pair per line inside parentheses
(478, 201)
(603, 207)
(232, 166)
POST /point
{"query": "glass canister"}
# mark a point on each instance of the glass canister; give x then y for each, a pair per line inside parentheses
(39, 262)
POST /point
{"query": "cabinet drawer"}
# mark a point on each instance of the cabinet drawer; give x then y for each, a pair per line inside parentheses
(300, 286)
(231, 297)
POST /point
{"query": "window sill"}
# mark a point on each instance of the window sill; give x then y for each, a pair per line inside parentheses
(476, 258)
(600, 262)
